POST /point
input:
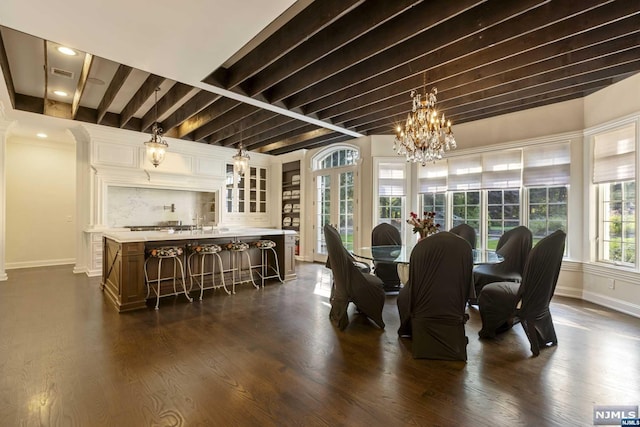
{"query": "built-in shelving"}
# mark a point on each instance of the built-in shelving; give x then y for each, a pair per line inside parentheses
(291, 199)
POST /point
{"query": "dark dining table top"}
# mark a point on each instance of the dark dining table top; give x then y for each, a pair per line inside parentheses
(401, 254)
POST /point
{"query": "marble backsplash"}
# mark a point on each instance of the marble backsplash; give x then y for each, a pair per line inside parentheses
(150, 206)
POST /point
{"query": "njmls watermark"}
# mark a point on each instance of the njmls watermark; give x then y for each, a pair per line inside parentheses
(616, 415)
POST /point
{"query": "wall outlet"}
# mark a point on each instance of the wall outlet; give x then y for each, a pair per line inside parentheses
(611, 283)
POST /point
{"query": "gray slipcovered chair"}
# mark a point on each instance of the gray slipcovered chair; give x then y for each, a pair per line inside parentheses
(466, 232)
(350, 284)
(504, 304)
(514, 245)
(432, 302)
(386, 235)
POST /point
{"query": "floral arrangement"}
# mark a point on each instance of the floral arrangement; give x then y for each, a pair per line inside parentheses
(426, 225)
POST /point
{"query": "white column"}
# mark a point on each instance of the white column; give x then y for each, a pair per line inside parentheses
(4, 129)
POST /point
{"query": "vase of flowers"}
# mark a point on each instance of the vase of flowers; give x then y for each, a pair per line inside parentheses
(424, 226)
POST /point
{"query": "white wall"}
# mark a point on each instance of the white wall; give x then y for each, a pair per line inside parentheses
(40, 202)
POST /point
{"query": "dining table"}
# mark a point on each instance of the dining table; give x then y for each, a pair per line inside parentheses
(401, 255)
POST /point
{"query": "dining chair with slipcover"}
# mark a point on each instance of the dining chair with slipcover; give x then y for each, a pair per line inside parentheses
(466, 232)
(350, 284)
(514, 246)
(432, 303)
(504, 304)
(386, 235)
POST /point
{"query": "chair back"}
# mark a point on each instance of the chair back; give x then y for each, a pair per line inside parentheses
(385, 235)
(514, 245)
(466, 232)
(541, 275)
(432, 303)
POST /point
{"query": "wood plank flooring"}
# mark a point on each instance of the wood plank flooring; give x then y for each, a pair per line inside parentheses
(271, 357)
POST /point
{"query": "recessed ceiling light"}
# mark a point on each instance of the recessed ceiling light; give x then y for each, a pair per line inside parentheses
(60, 93)
(41, 135)
(66, 51)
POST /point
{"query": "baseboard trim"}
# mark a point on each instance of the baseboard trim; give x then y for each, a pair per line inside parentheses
(39, 263)
(612, 303)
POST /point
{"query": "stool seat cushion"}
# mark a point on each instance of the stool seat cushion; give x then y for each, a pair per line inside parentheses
(165, 252)
(236, 246)
(209, 248)
(264, 244)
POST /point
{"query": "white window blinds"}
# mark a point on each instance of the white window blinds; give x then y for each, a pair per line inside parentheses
(432, 178)
(614, 155)
(502, 169)
(465, 173)
(547, 165)
(392, 179)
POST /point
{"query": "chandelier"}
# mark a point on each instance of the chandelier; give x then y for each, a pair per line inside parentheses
(241, 161)
(156, 146)
(425, 136)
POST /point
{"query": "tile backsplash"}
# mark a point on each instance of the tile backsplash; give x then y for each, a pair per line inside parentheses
(151, 206)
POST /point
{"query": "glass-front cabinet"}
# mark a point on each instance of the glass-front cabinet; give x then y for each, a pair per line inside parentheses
(248, 193)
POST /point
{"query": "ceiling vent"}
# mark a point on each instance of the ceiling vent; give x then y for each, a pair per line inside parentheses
(62, 73)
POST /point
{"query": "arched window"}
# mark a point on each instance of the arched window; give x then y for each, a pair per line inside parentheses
(335, 157)
(335, 183)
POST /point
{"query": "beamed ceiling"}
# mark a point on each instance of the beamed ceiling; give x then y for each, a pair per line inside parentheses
(343, 68)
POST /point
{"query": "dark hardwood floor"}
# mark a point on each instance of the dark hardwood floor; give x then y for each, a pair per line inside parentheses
(271, 357)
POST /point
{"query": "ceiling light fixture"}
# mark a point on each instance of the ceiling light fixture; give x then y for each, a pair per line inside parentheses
(66, 51)
(425, 136)
(41, 135)
(241, 159)
(60, 93)
(156, 146)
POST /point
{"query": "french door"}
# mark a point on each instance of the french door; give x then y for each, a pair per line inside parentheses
(335, 204)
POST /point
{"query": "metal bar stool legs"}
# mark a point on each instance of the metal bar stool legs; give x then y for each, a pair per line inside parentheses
(236, 249)
(266, 247)
(160, 254)
(201, 252)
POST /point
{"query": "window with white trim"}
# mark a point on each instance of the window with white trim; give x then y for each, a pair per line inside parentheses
(432, 190)
(546, 176)
(614, 172)
(392, 191)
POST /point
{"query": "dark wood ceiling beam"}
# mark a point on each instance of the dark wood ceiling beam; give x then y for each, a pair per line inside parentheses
(311, 144)
(379, 51)
(369, 15)
(82, 83)
(565, 78)
(312, 19)
(256, 131)
(275, 134)
(191, 108)
(236, 114)
(115, 85)
(248, 125)
(140, 97)
(501, 58)
(174, 96)
(210, 113)
(523, 103)
(296, 138)
(6, 72)
(414, 58)
(501, 73)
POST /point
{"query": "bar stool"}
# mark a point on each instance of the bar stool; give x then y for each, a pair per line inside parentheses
(160, 254)
(266, 247)
(236, 248)
(201, 253)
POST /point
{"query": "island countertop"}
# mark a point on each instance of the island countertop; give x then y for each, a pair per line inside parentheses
(121, 236)
(123, 273)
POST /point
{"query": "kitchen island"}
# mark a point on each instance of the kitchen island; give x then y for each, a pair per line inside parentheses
(124, 256)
